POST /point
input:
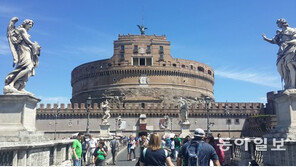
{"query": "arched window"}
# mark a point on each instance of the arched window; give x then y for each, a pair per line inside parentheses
(209, 72)
(183, 66)
(191, 67)
(200, 69)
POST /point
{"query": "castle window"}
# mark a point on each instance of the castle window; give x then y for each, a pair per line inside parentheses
(161, 49)
(228, 121)
(143, 105)
(236, 121)
(142, 61)
(135, 61)
(174, 65)
(209, 72)
(148, 50)
(161, 57)
(135, 48)
(191, 67)
(122, 48)
(183, 66)
(201, 69)
(101, 67)
(148, 61)
(121, 56)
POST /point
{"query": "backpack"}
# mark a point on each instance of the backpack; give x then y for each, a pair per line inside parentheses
(192, 152)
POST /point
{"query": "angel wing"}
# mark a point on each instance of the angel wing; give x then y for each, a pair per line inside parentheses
(10, 31)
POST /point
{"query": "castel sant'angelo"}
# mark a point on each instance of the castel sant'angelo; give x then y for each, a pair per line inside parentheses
(143, 78)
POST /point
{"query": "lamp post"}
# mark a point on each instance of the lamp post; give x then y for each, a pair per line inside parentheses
(116, 125)
(88, 104)
(208, 103)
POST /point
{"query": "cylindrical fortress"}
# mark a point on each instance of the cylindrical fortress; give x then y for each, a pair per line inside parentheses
(142, 70)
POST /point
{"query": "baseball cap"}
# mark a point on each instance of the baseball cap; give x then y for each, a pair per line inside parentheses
(199, 132)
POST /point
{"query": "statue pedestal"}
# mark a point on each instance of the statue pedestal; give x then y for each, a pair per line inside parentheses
(285, 108)
(105, 130)
(185, 129)
(118, 132)
(18, 118)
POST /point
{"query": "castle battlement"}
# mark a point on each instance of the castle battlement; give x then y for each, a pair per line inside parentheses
(154, 109)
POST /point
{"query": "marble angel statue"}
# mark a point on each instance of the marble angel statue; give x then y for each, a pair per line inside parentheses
(25, 57)
(183, 115)
(106, 112)
(285, 38)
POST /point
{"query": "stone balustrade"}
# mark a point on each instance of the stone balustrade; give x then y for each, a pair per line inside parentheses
(47, 153)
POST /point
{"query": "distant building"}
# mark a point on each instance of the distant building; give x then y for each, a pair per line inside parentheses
(142, 77)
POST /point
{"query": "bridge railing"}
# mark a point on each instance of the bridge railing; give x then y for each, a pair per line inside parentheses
(47, 153)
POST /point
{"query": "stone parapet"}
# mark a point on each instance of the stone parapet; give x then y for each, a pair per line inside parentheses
(152, 109)
(46, 153)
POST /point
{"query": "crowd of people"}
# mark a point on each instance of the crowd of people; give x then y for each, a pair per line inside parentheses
(154, 150)
(92, 151)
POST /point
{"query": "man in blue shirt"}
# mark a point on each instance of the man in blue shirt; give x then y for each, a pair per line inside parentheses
(203, 151)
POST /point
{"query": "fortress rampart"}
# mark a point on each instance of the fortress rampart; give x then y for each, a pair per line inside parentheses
(134, 110)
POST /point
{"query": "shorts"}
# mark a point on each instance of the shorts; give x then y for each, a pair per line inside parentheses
(92, 151)
(128, 150)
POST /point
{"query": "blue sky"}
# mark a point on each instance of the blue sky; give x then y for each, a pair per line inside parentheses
(223, 34)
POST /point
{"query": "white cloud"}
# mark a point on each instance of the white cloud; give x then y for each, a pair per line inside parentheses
(248, 75)
(53, 100)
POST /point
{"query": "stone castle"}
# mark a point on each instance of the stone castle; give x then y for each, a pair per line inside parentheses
(142, 77)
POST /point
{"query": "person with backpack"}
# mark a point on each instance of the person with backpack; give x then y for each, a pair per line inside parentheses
(196, 152)
(154, 155)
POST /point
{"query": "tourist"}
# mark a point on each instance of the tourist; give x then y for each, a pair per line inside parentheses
(143, 142)
(105, 147)
(84, 151)
(129, 147)
(196, 152)
(178, 141)
(92, 145)
(186, 139)
(77, 150)
(154, 155)
(219, 150)
(172, 147)
(163, 142)
(132, 148)
(114, 145)
(100, 155)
